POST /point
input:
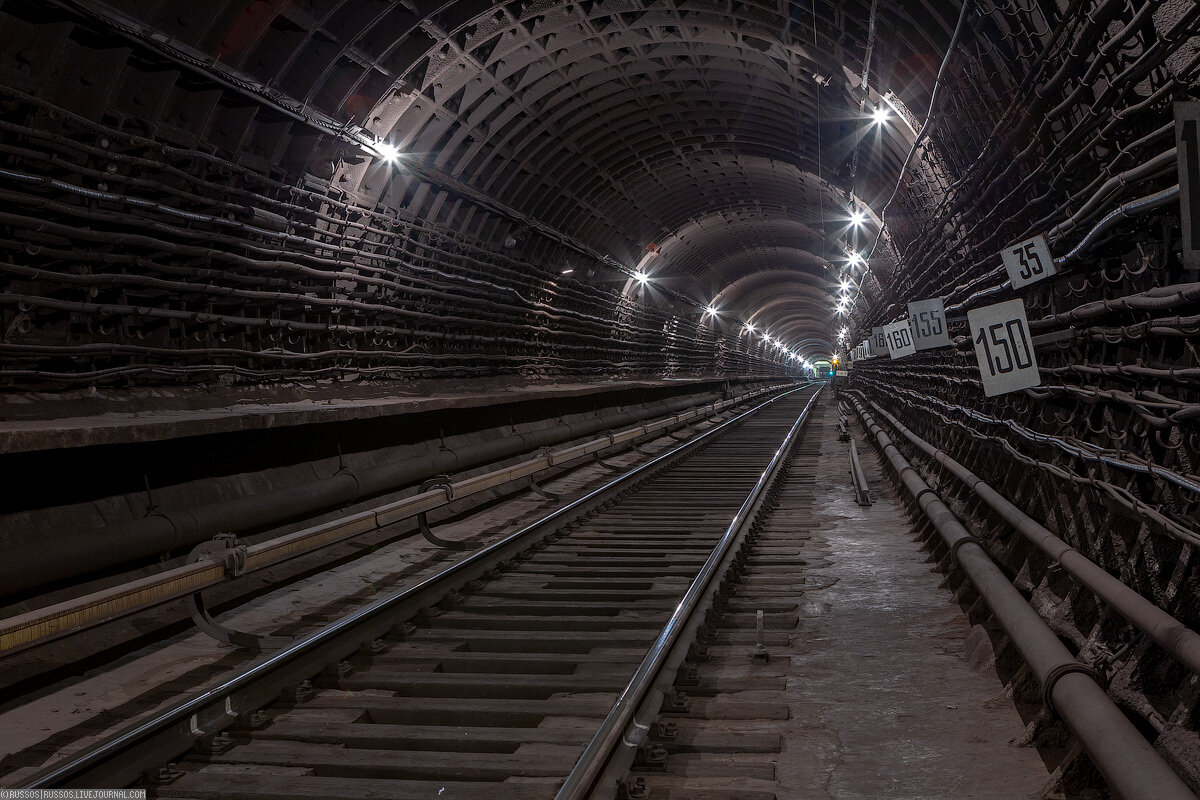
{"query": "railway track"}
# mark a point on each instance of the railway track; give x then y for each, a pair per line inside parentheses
(523, 671)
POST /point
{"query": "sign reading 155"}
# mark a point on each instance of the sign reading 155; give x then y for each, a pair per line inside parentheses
(927, 319)
(928, 324)
(1003, 348)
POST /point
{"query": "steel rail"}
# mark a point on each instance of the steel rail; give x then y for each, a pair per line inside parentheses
(121, 758)
(591, 763)
(1132, 767)
(1172, 635)
(35, 627)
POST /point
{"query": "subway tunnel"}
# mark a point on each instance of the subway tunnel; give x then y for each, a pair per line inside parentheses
(362, 358)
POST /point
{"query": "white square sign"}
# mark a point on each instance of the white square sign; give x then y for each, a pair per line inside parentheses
(899, 339)
(927, 318)
(1028, 261)
(878, 342)
(1003, 348)
(866, 348)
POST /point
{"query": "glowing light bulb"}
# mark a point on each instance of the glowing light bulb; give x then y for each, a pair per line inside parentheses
(387, 151)
(641, 277)
(880, 115)
(857, 217)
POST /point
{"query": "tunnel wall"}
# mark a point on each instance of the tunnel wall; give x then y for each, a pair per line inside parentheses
(159, 227)
(1103, 453)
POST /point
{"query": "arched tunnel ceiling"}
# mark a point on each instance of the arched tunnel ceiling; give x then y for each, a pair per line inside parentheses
(730, 134)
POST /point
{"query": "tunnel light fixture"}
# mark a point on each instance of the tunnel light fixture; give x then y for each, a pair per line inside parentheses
(641, 277)
(857, 218)
(856, 259)
(880, 114)
(710, 310)
(845, 287)
(387, 151)
(749, 328)
(567, 271)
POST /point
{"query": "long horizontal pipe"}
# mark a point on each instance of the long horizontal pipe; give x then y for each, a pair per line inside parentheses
(31, 564)
(1172, 635)
(1130, 765)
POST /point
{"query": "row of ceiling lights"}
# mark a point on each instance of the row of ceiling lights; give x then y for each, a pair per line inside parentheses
(711, 310)
(858, 218)
(390, 154)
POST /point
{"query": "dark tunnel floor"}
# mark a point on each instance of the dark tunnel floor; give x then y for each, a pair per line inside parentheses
(890, 698)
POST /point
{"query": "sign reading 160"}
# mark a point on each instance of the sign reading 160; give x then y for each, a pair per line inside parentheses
(898, 338)
(1008, 339)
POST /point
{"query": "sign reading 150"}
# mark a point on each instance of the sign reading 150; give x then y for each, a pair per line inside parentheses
(1003, 348)
(1010, 340)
